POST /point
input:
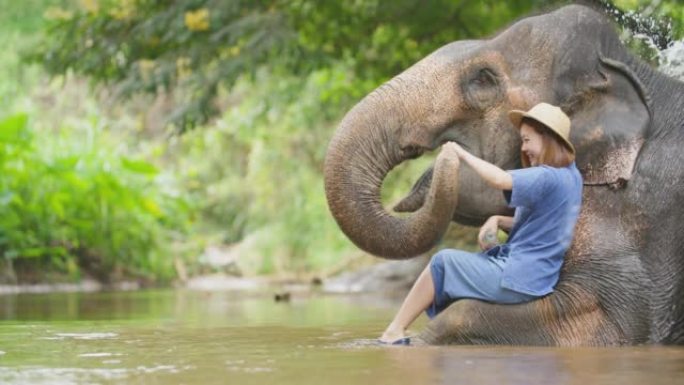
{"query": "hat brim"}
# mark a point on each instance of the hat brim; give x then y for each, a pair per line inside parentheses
(516, 117)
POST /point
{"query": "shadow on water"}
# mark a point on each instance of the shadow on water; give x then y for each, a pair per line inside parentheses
(174, 337)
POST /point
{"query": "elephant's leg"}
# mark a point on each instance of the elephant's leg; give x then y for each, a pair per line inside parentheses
(575, 314)
(476, 322)
(543, 322)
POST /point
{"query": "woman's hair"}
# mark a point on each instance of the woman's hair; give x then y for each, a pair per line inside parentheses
(554, 151)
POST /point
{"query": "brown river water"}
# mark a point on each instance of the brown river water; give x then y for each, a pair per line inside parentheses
(192, 337)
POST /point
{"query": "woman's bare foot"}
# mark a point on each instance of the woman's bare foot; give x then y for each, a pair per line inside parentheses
(392, 334)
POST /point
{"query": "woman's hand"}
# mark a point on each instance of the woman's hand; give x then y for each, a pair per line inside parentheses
(492, 174)
(487, 237)
(453, 146)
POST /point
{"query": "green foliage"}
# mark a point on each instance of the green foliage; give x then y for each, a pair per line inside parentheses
(19, 22)
(198, 46)
(146, 46)
(257, 173)
(68, 201)
(149, 46)
(277, 76)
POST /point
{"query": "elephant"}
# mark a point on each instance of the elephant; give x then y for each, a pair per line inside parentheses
(622, 280)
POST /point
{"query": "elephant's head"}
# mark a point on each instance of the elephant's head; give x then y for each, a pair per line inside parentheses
(462, 92)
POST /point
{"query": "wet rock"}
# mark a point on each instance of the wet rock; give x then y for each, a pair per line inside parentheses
(222, 281)
(282, 297)
(392, 276)
(222, 258)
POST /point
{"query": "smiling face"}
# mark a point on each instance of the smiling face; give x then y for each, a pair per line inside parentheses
(532, 144)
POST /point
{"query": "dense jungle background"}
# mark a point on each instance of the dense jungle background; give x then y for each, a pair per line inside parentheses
(156, 140)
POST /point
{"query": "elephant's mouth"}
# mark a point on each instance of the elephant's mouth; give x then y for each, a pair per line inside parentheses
(413, 152)
(468, 219)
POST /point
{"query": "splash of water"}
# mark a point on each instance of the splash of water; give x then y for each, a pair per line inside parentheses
(672, 60)
(645, 22)
(654, 34)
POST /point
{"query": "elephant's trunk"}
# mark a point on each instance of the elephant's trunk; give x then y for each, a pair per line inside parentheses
(363, 150)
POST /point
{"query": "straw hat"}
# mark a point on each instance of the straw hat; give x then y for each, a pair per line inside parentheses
(550, 116)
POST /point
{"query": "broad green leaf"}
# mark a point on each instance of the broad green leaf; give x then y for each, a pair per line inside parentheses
(139, 166)
(13, 129)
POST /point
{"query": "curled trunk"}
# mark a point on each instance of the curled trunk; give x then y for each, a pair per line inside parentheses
(361, 154)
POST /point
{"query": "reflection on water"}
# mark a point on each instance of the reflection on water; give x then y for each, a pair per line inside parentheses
(183, 337)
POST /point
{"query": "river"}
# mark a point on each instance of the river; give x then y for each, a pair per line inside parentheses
(194, 337)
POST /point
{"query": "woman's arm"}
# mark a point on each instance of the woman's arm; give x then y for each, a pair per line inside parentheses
(493, 175)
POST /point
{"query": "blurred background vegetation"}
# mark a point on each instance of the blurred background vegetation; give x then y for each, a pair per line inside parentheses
(155, 140)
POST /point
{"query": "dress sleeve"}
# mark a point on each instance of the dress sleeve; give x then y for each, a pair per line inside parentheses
(529, 185)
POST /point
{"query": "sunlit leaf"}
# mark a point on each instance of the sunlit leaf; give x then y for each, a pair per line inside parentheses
(139, 166)
(13, 128)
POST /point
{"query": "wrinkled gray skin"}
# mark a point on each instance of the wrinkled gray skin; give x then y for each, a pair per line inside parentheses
(623, 278)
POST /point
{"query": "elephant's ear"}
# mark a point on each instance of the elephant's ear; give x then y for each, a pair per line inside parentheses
(610, 114)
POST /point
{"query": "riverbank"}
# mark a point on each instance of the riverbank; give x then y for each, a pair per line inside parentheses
(384, 276)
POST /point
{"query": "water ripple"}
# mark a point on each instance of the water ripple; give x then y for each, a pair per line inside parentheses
(82, 336)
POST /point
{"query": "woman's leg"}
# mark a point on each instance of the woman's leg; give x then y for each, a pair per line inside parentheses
(418, 299)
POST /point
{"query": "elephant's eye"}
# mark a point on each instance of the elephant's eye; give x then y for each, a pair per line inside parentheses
(484, 77)
(481, 89)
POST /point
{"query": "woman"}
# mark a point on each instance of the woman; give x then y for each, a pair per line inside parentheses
(546, 195)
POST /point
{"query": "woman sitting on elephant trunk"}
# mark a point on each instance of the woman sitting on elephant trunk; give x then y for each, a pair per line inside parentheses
(546, 195)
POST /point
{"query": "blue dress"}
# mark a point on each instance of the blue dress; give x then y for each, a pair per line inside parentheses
(547, 201)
